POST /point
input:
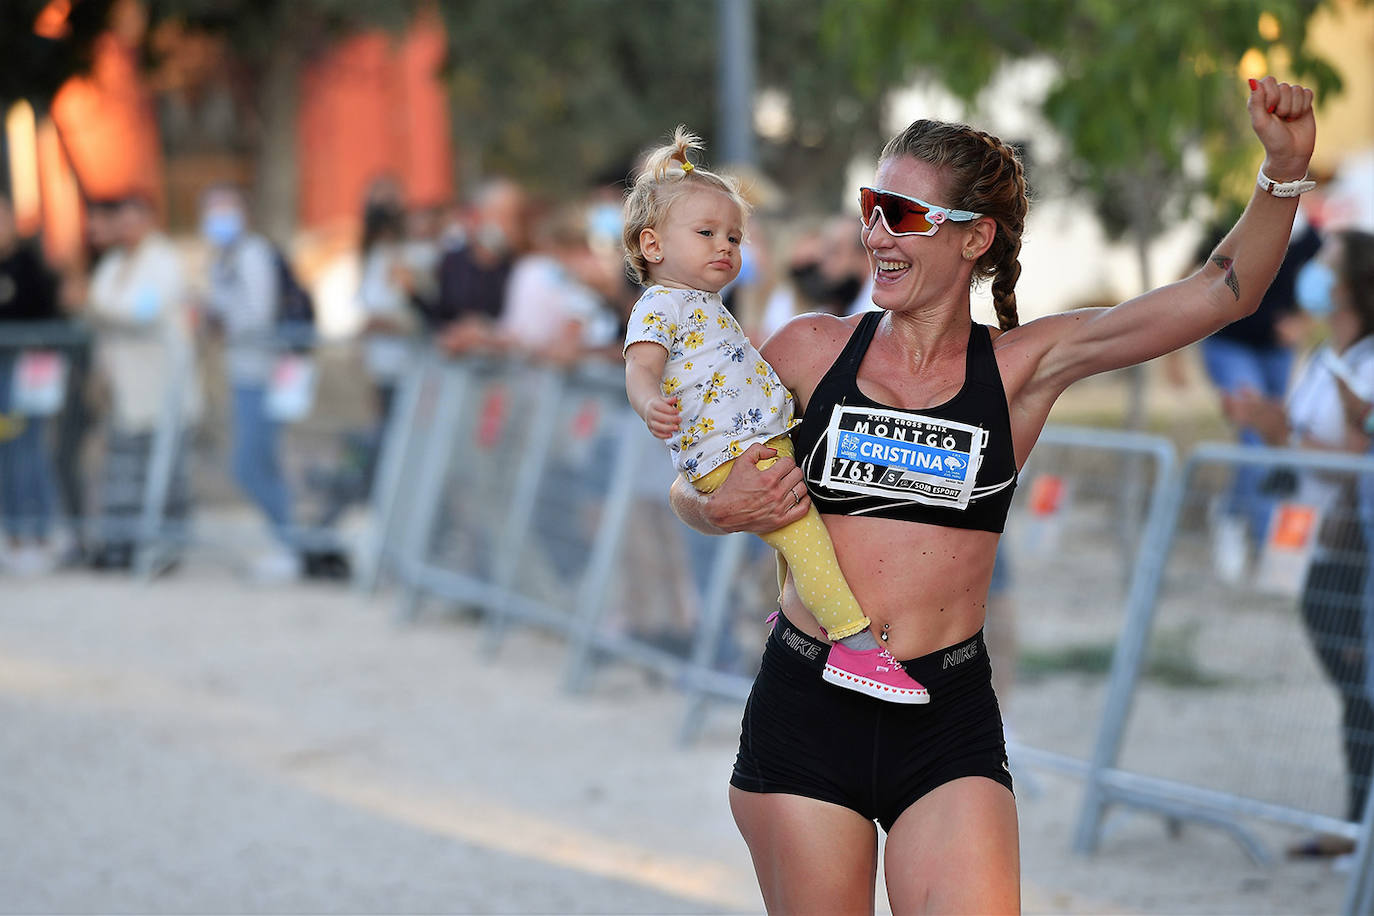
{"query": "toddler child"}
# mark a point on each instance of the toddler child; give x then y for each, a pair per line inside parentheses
(697, 381)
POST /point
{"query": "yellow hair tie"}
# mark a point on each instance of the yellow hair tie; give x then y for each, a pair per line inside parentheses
(686, 166)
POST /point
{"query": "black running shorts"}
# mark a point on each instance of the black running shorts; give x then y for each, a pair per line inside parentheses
(804, 736)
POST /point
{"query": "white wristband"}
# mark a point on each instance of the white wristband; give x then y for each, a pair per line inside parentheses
(1284, 188)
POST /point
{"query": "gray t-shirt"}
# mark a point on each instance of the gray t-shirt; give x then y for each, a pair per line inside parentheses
(243, 294)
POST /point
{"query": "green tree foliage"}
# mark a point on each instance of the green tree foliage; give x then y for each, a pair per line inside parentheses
(565, 94)
(1136, 86)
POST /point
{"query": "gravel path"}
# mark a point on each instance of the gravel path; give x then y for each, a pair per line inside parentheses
(197, 746)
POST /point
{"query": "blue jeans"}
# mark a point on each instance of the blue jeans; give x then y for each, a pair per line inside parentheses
(1232, 367)
(28, 495)
(256, 468)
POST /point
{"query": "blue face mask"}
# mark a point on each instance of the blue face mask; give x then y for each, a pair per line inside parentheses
(221, 227)
(1313, 289)
(604, 222)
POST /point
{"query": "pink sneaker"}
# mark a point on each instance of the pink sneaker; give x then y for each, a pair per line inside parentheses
(874, 672)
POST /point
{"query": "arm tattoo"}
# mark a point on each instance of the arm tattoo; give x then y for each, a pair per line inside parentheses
(1228, 265)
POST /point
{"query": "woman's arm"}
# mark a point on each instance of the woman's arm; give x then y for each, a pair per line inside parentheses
(1067, 347)
(749, 500)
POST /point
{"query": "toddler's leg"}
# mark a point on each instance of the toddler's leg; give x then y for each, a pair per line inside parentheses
(805, 544)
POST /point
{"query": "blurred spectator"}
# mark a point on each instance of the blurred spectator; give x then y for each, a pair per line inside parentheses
(28, 498)
(420, 254)
(839, 281)
(77, 417)
(472, 277)
(138, 300)
(1255, 353)
(384, 293)
(1329, 409)
(550, 311)
(827, 271)
(245, 287)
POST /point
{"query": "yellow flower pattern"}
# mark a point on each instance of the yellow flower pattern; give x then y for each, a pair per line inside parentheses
(728, 395)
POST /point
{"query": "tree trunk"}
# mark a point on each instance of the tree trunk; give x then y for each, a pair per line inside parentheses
(277, 181)
(1135, 402)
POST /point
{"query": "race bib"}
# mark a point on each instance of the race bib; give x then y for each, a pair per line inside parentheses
(889, 453)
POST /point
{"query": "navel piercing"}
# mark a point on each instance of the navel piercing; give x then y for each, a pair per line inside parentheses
(883, 634)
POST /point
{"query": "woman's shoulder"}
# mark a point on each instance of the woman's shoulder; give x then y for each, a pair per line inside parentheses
(809, 339)
(812, 328)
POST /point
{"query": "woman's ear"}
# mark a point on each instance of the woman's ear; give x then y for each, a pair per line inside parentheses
(980, 237)
(648, 244)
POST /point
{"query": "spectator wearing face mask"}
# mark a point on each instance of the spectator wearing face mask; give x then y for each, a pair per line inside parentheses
(28, 494)
(244, 291)
(1330, 407)
(827, 271)
(473, 277)
(385, 292)
(139, 305)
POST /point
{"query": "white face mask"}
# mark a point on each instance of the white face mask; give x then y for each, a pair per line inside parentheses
(491, 237)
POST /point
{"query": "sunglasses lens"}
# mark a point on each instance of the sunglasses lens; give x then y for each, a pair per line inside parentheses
(902, 216)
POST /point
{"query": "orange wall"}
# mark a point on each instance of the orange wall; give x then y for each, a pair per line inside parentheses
(374, 105)
(108, 128)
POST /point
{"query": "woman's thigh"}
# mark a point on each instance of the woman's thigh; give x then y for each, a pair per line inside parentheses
(956, 850)
(810, 856)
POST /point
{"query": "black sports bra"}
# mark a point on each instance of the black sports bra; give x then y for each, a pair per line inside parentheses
(950, 465)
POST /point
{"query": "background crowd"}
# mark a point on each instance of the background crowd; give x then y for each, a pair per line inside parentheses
(504, 271)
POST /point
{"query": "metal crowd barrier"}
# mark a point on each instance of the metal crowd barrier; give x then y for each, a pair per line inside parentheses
(1264, 742)
(139, 503)
(540, 499)
(142, 497)
(1074, 579)
(391, 498)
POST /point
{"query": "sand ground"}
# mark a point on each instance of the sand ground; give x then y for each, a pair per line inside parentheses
(196, 745)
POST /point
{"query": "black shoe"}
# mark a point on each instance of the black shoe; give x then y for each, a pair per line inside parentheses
(113, 557)
(326, 564)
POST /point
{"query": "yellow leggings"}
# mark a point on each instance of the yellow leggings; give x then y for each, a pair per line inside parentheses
(805, 547)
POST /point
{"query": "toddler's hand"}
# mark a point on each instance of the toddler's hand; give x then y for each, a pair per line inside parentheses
(662, 416)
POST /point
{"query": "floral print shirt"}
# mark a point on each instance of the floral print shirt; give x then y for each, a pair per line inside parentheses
(728, 396)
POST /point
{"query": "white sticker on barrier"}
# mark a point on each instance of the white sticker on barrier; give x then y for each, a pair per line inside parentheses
(39, 383)
(291, 391)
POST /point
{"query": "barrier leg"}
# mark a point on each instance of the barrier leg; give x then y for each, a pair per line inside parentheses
(534, 459)
(1359, 891)
(437, 444)
(151, 553)
(395, 449)
(591, 604)
(715, 617)
(1165, 508)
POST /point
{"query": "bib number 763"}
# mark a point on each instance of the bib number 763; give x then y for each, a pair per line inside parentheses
(854, 470)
